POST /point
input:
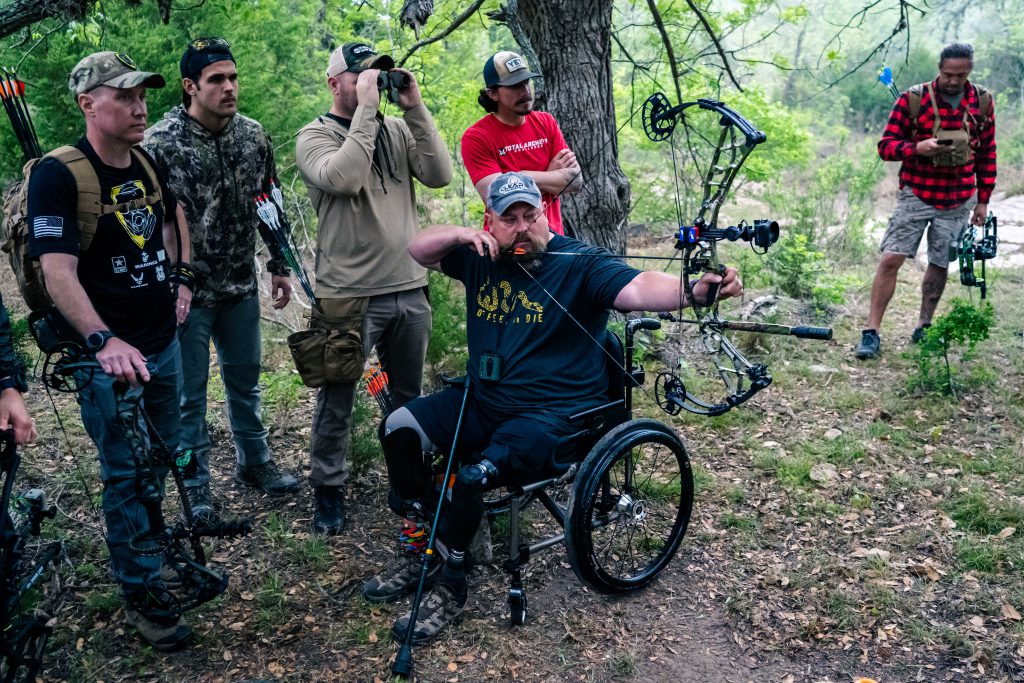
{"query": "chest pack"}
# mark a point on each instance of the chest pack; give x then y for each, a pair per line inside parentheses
(960, 152)
(15, 227)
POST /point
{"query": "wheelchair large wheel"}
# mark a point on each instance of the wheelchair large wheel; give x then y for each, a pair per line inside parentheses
(630, 507)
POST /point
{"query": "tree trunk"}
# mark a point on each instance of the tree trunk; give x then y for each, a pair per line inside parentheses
(572, 39)
(17, 15)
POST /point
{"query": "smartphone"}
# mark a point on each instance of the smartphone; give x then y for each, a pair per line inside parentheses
(946, 142)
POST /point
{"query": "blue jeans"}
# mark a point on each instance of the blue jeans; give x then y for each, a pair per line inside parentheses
(125, 517)
(235, 330)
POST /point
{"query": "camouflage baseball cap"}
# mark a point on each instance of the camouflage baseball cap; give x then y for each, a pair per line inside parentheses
(113, 69)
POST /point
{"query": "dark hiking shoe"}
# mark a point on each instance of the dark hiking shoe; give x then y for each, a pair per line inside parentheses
(399, 577)
(328, 510)
(201, 502)
(918, 334)
(268, 478)
(163, 637)
(440, 607)
(870, 342)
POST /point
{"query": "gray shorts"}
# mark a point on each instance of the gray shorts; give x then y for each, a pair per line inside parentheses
(909, 220)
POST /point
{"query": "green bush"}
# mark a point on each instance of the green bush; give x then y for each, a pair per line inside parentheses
(965, 325)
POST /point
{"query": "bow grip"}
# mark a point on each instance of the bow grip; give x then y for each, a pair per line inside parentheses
(821, 333)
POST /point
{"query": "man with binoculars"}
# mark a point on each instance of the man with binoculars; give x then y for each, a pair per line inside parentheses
(359, 168)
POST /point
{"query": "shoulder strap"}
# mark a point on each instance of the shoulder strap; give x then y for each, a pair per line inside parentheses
(984, 100)
(90, 205)
(914, 102)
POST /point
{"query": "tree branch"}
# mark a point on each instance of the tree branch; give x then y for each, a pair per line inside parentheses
(457, 22)
(668, 48)
(714, 39)
(21, 13)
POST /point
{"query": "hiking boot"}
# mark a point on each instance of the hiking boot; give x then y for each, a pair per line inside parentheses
(163, 637)
(201, 502)
(267, 478)
(918, 334)
(440, 607)
(328, 510)
(869, 344)
(399, 577)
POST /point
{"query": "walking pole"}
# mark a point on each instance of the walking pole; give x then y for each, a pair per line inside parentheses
(402, 666)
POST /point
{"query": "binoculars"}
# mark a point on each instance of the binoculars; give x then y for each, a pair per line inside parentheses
(392, 82)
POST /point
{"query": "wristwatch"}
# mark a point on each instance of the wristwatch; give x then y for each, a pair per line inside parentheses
(97, 340)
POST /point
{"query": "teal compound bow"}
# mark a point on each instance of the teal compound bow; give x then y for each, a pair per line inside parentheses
(970, 248)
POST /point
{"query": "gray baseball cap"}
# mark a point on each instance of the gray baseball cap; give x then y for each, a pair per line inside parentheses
(509, 188)
(113, 69)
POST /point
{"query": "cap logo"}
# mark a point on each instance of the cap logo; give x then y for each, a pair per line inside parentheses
(126, 60)
(515, 64)
(360, 49)
(513, 184)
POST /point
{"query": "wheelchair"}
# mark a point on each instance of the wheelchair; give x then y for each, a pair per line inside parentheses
(630, 490)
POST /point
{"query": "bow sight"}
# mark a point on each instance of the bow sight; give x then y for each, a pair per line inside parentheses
(761, 235)
(968, 248)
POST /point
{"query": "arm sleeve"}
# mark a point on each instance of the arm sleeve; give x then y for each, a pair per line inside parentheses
(477, 156)
(52, 210)
(604, 276)
(336, 167)
(429, 160)
(985, 156)
(276, 264)
(898, 143)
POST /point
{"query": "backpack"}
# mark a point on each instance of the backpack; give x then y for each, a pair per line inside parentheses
(15, 228)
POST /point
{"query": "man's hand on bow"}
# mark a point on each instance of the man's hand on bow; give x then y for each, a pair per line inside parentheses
(729, 286)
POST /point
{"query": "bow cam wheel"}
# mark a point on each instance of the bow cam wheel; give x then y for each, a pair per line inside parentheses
(657, 124)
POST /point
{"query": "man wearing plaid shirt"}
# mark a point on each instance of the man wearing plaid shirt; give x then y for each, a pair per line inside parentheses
(946, 151)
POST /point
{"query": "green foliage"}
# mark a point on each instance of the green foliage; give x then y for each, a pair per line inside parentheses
(965, 325)
(446, 351)
(800, 270)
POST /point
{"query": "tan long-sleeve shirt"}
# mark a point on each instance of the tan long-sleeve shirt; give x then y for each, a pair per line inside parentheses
(366, 220)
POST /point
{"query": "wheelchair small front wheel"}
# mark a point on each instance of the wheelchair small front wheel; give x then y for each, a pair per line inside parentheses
(630, 507)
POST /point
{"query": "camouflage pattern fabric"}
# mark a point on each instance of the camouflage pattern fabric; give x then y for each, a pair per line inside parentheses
(113, 69)
(215, 178)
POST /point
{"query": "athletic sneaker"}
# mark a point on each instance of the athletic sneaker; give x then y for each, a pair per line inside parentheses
(440, 607)
(918, 334)
(870, 342)
(163, 637)
(267, 477)
(201, 502)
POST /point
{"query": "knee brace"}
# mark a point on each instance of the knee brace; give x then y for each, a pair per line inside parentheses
(468, 503)
(408, 473)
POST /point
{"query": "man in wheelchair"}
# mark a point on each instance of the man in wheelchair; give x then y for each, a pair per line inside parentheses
(532, 322)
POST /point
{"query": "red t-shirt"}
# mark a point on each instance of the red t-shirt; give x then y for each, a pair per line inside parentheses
(490, 146)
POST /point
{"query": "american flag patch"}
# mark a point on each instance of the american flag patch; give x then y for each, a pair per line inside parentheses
(48, 226)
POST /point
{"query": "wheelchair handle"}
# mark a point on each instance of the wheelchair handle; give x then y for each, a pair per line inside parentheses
(641, 324)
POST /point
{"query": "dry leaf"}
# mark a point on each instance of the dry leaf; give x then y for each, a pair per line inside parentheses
(452, 666)
(1010, 613)
(1007, 532)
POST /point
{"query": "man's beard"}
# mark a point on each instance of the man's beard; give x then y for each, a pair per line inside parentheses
(531, 260)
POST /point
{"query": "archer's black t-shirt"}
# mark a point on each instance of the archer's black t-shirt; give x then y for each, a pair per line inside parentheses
(125, 270)
(548, 362)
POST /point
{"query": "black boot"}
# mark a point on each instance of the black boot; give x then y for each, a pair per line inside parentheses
(329, 510)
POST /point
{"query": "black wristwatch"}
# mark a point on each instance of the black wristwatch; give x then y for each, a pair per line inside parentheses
(97, 340)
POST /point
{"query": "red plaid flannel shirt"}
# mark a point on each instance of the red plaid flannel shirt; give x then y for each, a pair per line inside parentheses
(944, 187)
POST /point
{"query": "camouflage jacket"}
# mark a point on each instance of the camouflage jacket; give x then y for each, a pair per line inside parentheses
(215, 178)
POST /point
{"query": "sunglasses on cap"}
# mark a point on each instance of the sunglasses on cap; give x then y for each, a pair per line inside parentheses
(209, 45)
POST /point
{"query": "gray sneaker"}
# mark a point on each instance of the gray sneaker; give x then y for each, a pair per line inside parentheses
(399, 577)
(163, 637)
(869, 345)
(440, 607)
(267, 477)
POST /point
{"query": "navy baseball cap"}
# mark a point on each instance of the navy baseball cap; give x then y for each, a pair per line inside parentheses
(202, 52)
(510, 188)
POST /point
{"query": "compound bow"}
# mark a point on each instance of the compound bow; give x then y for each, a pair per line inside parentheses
(68, 368)
(969, 249)
(697, 247)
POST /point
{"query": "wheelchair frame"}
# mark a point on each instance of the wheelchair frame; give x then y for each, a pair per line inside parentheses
(604, 500)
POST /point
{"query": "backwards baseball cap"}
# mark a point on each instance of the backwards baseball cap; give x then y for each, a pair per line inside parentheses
(510, 188)
(506, 68)
(357, 57)
(202, 52)
(113, 69)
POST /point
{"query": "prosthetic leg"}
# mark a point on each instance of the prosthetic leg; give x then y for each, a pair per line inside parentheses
(402, 667)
